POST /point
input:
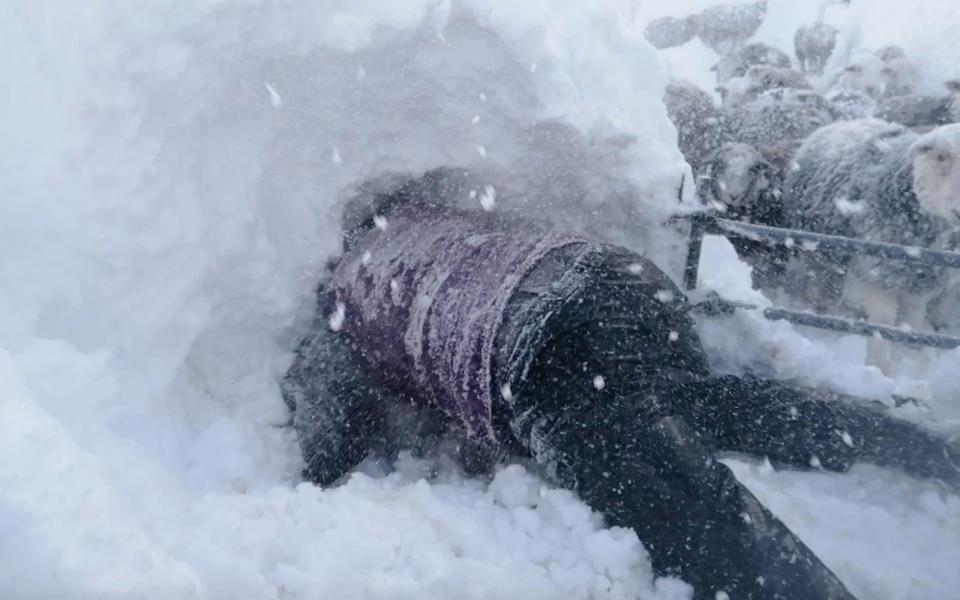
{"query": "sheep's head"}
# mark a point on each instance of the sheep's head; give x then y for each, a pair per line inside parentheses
(866, 75)
(733, 180)
(936, 173)
(889, 53)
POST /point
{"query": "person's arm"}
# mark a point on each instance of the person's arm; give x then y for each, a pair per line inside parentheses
(338, 409)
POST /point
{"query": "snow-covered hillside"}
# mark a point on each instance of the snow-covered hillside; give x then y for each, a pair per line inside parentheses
(170, 178)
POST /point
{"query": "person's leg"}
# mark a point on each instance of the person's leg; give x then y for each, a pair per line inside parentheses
(588, 413)
(692, 515)
(809, 428)
(645, 469)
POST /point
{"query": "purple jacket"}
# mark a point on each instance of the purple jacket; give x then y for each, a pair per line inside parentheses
(422, 287)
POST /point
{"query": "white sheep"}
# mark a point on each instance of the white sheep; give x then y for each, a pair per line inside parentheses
(726, 28)
(670, 32)
(923, 111)
(773, 117)
(758, 79)
(736, 63)
(744, 184)
(696, 118)
(899, 72)
(876, 181)
(814, 44)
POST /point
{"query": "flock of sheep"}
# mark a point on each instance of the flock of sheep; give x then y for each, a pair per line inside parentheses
(855, 152)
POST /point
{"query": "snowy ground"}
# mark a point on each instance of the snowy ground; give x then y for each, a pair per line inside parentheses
(170, 177)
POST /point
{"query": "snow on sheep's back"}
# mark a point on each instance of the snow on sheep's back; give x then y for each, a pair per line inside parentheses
(171, 176)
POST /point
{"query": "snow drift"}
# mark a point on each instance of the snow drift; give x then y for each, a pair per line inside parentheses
(171, 178)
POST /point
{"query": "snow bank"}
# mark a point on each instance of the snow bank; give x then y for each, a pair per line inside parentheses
(171, 175)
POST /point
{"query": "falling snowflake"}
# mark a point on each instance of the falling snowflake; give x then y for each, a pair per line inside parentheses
(845, 436)
(849, 207)
(635, 268)
(483, 97)
(665, 296)
(335, 157)
(482, 150)
(599, 382)
(366, 258)
(506, 393)
(361, 73)
(275, 98)
(475, 119)
(674, 336)
(815, 462)
(488, 199)
(338, 316)
(381, 222)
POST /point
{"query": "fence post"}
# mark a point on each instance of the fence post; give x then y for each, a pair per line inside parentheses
(692, 269)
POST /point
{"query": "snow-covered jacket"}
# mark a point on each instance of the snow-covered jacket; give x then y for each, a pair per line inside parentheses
(451, 306)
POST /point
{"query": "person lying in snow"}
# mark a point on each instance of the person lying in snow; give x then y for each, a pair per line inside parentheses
(584, 357)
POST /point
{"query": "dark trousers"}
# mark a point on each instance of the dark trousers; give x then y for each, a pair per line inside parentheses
(619, 407)
(646, 461)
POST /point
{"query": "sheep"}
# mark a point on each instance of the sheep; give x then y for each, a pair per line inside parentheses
(670, 32)
(877, 181)
(856, 90)
(736, 63)
(803, 96)
(814, 44)
(774, 116)
(923, 111)
(723, 29)
(726, 28)
(942, 311)
(767, 120)
(898, 72)
(758, 79)
(693, 113)
(744, 184)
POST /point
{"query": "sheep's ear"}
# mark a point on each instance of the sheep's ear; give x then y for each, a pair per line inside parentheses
(953, 85)
(714, 67)
(923, 148)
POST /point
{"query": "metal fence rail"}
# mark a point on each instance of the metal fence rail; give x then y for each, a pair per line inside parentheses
(815, 242)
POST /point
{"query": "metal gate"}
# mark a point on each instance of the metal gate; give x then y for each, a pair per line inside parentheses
(702, 225)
